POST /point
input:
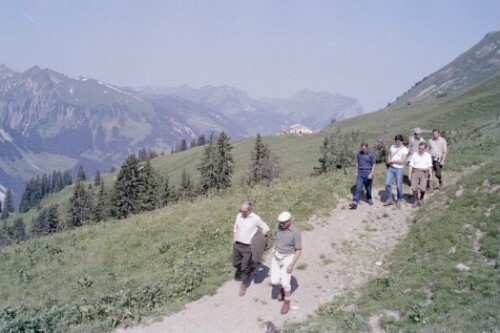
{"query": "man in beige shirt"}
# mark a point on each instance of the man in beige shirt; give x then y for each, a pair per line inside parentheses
(438, 150)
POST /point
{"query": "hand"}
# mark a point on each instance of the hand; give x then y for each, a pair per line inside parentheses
(289, 269)
(370, 176)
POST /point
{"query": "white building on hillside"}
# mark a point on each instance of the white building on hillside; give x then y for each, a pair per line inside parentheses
(299, 129)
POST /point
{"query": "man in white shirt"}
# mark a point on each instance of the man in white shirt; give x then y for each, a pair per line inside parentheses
(396, 160)
(420, 171)
(246, 225)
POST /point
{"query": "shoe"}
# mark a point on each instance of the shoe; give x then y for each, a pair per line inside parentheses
(243, 289)
(353, 205)
(285, 307)
(370, 202)
(389, 203)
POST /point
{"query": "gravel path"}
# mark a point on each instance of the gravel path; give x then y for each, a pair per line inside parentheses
(342, 252)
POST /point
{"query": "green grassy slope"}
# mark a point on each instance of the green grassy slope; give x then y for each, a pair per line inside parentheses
(95, 277)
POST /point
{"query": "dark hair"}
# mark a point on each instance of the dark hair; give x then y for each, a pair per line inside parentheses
(364, 144)
(436, 130)
(399, 137)
(422, 144)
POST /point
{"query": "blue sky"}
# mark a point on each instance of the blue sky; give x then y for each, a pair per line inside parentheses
(367, 49)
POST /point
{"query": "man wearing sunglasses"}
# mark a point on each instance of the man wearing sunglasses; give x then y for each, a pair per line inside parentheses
(246, 225)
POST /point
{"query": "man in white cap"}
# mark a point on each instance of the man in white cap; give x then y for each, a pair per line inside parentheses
(286, 253)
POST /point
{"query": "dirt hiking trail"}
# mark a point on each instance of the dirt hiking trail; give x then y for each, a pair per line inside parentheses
(342, 252)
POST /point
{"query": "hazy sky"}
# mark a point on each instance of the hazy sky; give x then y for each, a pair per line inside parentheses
(372, 50)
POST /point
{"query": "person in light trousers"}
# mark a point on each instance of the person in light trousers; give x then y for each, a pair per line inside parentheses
(286, 253)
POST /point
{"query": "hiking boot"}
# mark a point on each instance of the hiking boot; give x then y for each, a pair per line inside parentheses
(353, 205)
(370, 202)
(243, 289)
(285, 307)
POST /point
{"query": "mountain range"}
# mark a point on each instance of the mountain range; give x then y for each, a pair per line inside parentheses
(51, 121)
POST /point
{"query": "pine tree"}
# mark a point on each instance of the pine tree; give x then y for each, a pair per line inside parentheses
(101, 208)
(150, 190)
(225, 163)
(97, 178)
(126, 198)
(208, 169)
(264, 166)
(80, 176)
(53, 218)
(166, 195)
(18, 230)
(324, 159)
(186, 188)
(201, 140)
(80, 206)
(8, 205)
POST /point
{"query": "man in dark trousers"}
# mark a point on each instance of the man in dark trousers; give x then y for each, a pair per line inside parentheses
(365, 167)
(246, 225)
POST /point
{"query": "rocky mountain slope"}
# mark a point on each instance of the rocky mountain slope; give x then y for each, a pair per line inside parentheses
(479, 63)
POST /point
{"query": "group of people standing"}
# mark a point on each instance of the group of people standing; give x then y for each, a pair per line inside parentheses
(425, 161)
(249, 243)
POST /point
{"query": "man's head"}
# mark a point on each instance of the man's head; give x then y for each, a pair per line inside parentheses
(364, 147)
(245, 208)
(417, 132)
(436, 133)
(398, 139)
(284, 219)
(421, 148)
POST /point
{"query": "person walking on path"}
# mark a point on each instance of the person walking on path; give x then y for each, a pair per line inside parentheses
(438, 150)
(415, 142)
(420, 171)
(246, 225)
(396, 160)
(364, 170)
(286, 253)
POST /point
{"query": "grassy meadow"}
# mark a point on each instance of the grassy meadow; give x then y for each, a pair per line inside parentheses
(96, 277)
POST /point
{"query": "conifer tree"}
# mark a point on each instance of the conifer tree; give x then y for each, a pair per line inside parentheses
(80, 206)
(264, 166)
(166, 195)
(186, 187)
(101, 208)
(225, 163)
(201, 140)
(18, 230)
(150, 189)
(8, 205)
(80, 176)
(97, 178)
(208, 169)
(126, 198)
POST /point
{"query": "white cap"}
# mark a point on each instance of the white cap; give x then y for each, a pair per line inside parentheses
(284, 216)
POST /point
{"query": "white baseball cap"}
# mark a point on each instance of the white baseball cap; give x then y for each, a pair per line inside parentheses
(284, 216)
